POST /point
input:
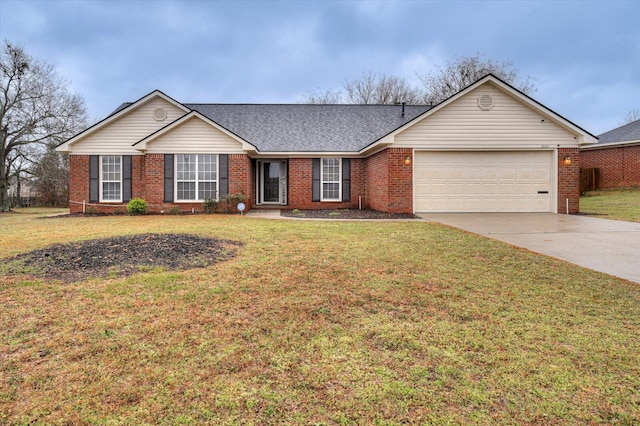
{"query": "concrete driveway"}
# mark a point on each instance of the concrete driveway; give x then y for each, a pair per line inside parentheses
(608, 246)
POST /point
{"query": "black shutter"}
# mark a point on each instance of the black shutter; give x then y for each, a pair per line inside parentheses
(346, 179)
(94, 181)
(126, 178)
(168, 178)
(223, 184)
(315, 180)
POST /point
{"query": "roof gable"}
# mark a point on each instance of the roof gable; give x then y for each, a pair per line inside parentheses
(121, 113)
(581, 135)
(203, 136)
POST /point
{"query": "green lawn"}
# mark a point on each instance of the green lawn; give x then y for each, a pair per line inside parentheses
(317, 323)
(618, 204)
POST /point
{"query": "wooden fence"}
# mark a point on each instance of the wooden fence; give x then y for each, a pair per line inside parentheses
(589, 180)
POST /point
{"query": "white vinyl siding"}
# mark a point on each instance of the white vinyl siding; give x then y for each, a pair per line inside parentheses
(331, 179)
(119, 136)
(194, 136)
(196, 177)
(510, 124)
(111, 178)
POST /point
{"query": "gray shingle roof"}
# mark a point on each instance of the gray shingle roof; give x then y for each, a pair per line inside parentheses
(309, 128)
(628, 132)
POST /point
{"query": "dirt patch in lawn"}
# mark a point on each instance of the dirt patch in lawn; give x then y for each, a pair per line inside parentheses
(122, 256)
(345, 214)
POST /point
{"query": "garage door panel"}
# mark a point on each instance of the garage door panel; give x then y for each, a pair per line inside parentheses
(483, 181)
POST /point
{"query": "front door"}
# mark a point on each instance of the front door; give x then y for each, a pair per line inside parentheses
(272, 182)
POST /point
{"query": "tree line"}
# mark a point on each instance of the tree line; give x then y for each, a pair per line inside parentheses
(435, 86)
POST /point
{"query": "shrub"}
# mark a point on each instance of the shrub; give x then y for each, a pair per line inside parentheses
(137, 206)
(174, 210)
(91, 210)
(210, 205)
(232, 200)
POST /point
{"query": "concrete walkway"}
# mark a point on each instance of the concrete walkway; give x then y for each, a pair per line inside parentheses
(265, 214)
(603, 245)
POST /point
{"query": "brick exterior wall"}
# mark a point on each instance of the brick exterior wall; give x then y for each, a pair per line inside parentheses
(78, 182)
(382, 182)
(241, 178)
(569, 180)
(619, 166)
(300, 186)
(377, 178)
(390, 181)
(147, 182)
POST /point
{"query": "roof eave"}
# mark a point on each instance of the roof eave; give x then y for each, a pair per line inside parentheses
(622, 144)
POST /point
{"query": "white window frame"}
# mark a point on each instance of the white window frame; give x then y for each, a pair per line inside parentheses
(103, 180)
(197, 181)
(323, 181)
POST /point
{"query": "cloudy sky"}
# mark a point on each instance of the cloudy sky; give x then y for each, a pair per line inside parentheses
(584, 56)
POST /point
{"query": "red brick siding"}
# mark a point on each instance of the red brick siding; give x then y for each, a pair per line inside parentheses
(377, 178)
(153, 190)
(400, 181)
(241, 178)
(619, 166)
(138, 177)
(300, 186)
(78, 182)
(390, 181)
(569, 180)
(147, 182)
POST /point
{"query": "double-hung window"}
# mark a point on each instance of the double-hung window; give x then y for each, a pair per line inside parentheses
(331, 179)
(196, 177)
(111, 178)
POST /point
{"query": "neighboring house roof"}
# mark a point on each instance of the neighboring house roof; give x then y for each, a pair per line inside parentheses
(628, 134)
(309, 128)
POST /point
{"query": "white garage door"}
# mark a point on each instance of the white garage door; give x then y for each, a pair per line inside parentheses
(483, 181)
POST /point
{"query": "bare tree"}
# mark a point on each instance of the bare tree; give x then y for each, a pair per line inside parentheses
(326, 97)
(445, 82)
(369, 88)
(50, 177)
(631, 116)
(35, 108)
(374, 88)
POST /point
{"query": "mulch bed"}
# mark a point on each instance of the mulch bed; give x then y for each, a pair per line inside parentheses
(122, 256)
(345, 214)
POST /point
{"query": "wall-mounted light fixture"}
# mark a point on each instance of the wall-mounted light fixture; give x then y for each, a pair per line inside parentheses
(567, 160)
(407, 160)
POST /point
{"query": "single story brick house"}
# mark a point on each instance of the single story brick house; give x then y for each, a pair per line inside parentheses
(617, 156)
(489, 148)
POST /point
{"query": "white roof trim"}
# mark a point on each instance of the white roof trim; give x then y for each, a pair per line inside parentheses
(584, 137)
(64, 147)
(141, 145)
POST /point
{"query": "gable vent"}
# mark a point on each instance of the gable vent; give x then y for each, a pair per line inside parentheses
(485, 102)
(159, 114)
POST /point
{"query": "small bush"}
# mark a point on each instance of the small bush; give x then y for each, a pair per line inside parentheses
(137, 206)
(91, 210)
(232, 200)
(174, 210)
(210, 205)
